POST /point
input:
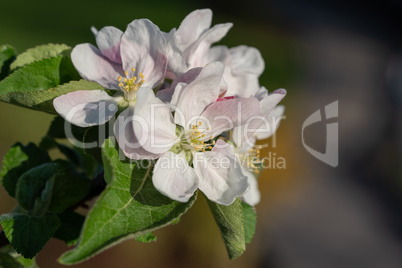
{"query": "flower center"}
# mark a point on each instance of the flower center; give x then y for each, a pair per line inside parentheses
(196, 139)
(129, 85)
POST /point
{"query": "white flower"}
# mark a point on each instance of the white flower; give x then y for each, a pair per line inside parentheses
(190, 47)
(188, 138)
(245, 136)
(129, 62)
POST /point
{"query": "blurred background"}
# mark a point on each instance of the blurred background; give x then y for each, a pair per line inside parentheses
(311, 214)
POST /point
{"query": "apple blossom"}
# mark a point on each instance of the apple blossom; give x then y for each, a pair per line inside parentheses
(185, 143)
(127, 63)
(245, 136)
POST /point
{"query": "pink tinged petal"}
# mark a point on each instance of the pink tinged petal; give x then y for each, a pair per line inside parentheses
(166, 94)
(264, 125)
(143, 47)
(174, 178)
(108, 41)
(246, 60)
(220, 176)
(124, 132)
(252, 196)
(176, 62)
(86, 108)
(190, 100)
(269, 102)
(153, 124)
(93, 66)
(227, 114)
(192, 27)
(196, 54)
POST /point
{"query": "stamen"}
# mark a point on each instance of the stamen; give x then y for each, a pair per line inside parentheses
(129, 86)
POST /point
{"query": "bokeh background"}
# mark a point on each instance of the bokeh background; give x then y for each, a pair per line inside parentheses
(311, 214)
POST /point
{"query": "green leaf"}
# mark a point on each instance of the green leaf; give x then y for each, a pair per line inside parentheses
(29, 234)
(39, 53)
(27, 263)
(250, 221)
(52, 187)
(231, 224)
(35, 85)
(146, 238)
(22, 262)
(6, 261)
(70, 227)
(39, 75)
(69, 188)
(129, 207)
(7, 55)
(96, 135)
(18, 160)
(34, 188)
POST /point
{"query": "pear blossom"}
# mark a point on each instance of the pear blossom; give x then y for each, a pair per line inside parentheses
(126, 63)
(185, 143)
(261, 127)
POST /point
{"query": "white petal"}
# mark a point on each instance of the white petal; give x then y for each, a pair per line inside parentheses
(246, 60)
(243, 85)
(108, 41)
(219, 53)
(196, 54)
(192, 99)
(153, 124)
(252, 196)
(220, 176)
(93, 66)
(166, 94)
(193, 26)
(143, 47)
(174, 178)
(227, 114)
(128, 142)
(262, 126)
(86, 108)
(273, 118)
(176, 62)
(261, 93)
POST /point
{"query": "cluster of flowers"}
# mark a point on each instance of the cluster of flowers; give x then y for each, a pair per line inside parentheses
(205, 117)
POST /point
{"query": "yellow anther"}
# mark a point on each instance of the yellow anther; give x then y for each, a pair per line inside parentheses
(203, 135)
(125, 80)
(210, 147)
(213, 142)
(119, 78)
(208, 128)
(126, 72)
(200, 123)
(203, 150)
(121, 84)
(133, 69)
(211, 137)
